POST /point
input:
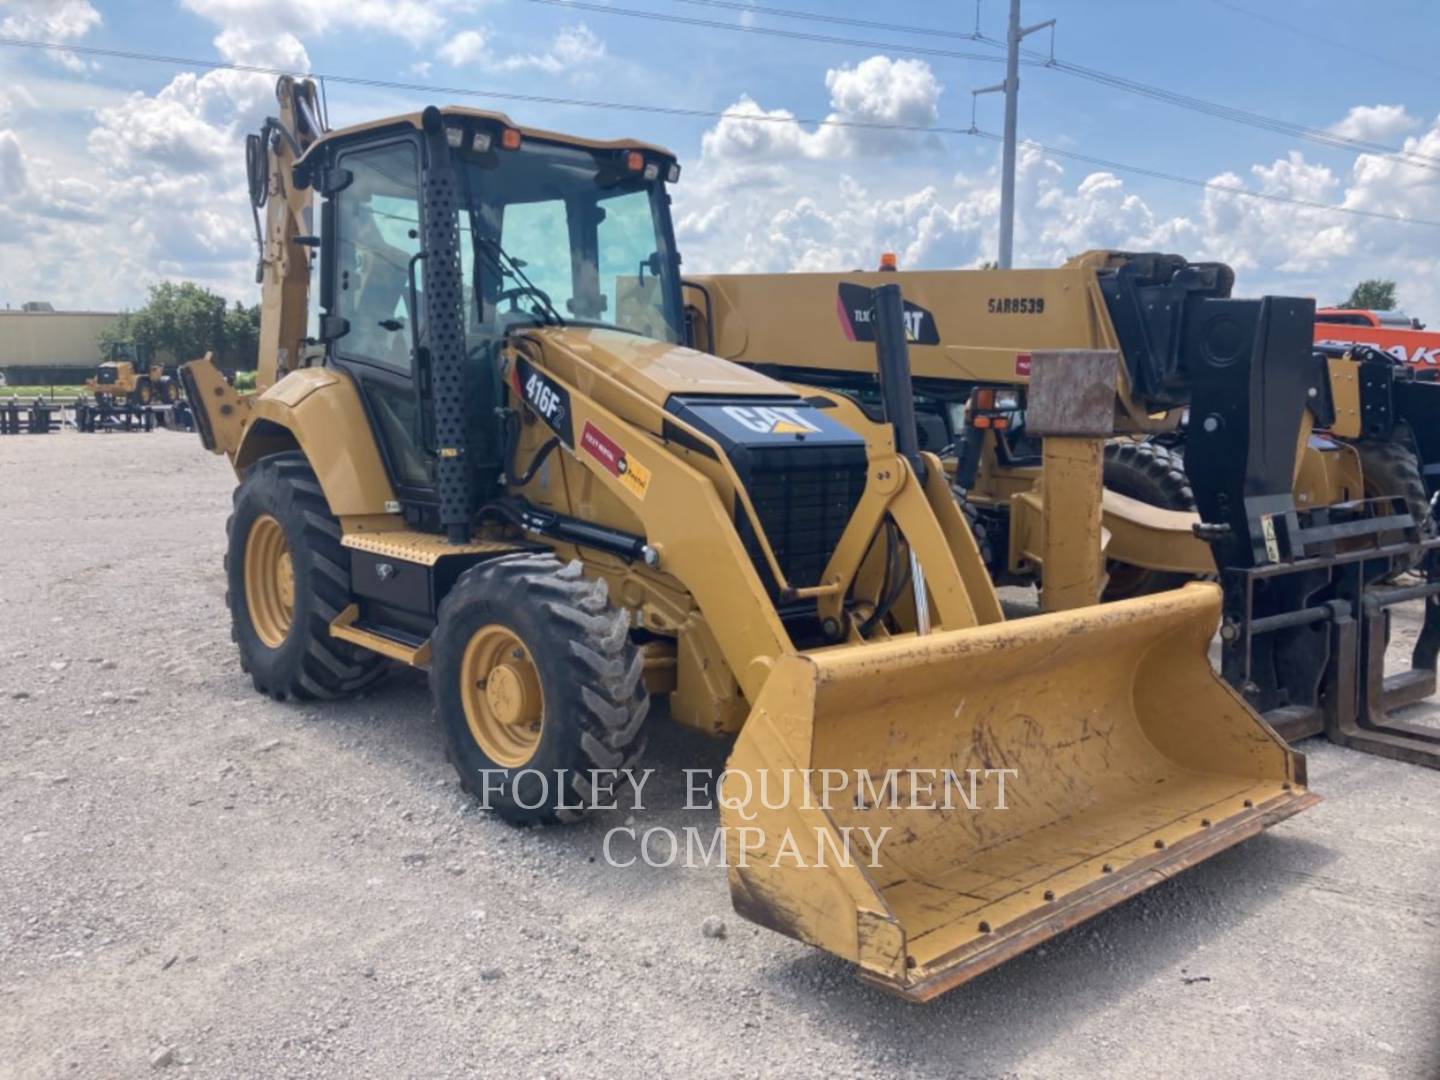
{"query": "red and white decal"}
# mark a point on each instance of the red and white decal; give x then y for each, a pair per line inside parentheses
(609, 453)
(602, 448)
(1022, 364)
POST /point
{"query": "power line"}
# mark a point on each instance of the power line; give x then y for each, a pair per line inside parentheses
(772, 31)
(1316, 136)
(834, 20)
(1409, 67)
(1243, 116)
(1211, 185)
(708, 114)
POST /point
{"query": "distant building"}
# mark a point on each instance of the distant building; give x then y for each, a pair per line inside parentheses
(39, 344)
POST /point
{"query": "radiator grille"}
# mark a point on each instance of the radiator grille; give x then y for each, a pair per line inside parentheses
(803, 506)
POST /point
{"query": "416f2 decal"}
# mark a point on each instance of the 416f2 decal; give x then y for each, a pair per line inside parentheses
(549, 399)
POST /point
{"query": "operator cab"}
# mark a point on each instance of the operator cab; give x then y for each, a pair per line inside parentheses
(551, 231)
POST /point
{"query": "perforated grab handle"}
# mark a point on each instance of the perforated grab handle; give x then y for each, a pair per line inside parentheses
(445, 332)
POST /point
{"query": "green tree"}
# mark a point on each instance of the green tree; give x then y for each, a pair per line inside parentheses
(119, 330)
(1372, 294)
(242, 335)
(187, 321)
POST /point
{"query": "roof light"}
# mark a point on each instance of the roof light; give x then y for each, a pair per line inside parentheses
(888, 261)
(984, 399)
(481, 142)
(673, 176)
(510, 140)
(652, 171)
(634, 161)
(454, 136)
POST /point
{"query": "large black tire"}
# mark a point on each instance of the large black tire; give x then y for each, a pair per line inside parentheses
(977, 530)
(1392, 467)
(308, 663)
(1153, 474)
(593, 697)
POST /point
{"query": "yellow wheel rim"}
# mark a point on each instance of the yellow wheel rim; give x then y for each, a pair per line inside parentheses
(500, 689)
(269, 581)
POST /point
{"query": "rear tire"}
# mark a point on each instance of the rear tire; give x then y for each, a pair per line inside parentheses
(285, 644)
(1155, 475)
(581, 700)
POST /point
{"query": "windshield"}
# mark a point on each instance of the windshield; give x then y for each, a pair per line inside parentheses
(560, 233)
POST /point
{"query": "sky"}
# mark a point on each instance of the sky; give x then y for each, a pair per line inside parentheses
(117, 173)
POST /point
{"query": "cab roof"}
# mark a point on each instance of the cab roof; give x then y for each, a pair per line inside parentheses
(415, 120)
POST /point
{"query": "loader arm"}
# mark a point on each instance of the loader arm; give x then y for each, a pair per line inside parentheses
(1162, 766)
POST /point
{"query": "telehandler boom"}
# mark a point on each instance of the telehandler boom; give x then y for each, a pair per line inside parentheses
(490, 456)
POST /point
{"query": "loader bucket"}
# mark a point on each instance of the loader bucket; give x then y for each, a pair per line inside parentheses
(1131, 761)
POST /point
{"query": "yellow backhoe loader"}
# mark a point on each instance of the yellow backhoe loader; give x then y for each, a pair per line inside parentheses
(491, 456)
(1306, 486)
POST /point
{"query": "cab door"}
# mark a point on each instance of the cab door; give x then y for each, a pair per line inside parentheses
(371, 288)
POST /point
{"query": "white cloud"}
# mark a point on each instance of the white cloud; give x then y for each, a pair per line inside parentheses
(1375, 123)
(413, 21)
(50, 20)
(14, 177)
(464, 48)
(574, 48)
(54, 20)
(881, 90)
(574, 51)
(766, 196)
(876, 91)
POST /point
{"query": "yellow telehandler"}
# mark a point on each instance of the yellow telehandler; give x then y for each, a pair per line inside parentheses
(489, 455)
(1306, 484)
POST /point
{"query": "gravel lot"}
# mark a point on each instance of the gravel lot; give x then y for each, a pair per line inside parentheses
(197, 880)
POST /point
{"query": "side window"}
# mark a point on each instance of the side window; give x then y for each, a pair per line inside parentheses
(631, 289)
(377, 234)
(315, 225)
(537, 235)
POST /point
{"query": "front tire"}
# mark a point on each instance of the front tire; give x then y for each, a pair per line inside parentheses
(536, 684)
(287, 578)
(1390, 468)
(1152, 474)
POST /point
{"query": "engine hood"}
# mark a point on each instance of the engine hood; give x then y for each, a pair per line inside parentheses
(657, 370)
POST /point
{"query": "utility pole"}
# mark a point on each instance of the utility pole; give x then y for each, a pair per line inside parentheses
(1011, 89)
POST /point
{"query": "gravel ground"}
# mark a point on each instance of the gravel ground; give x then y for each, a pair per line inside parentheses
(196, 879)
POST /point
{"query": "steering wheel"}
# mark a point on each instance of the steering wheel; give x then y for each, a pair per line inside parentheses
(515, 292)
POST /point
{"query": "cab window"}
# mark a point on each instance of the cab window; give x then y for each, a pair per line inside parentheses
(377, 235)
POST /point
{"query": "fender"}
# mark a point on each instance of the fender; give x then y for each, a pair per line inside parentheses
(319, 411)
(314, 410)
